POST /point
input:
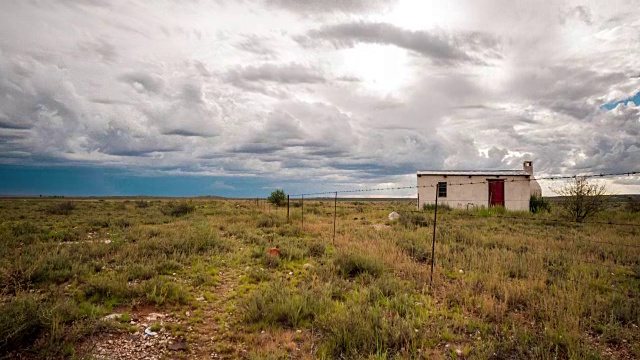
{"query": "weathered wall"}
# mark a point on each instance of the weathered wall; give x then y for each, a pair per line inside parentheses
(516, 193)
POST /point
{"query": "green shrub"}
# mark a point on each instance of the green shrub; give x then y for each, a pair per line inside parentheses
(413, 219)
(316, 248)
(538, 204)
(25, 228)
(351, 265)
(276, 304)
(270, 220)
(62, 208)
(419, 250)
(277, 198)
(161, 290)
(633, 204)
(356, 330)
(177, 209)
(431, 207)
(143, 204)
(20, 324)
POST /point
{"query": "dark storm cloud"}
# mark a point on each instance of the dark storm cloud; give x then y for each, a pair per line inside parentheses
(16, 124)
(439, 46)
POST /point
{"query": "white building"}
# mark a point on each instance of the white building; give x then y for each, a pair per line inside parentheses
(467, 189)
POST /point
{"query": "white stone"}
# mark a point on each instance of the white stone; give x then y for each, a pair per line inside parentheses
(394, 216)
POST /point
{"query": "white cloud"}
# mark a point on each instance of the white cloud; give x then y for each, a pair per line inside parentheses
(341, 92)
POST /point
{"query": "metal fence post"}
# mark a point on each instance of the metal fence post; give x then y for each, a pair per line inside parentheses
(433, 241)
(302, 212)
(287, 208)
(335, 210)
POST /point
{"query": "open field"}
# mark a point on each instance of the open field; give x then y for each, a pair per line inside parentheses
(197, 273)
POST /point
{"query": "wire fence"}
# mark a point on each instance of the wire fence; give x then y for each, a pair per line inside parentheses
(328, 205)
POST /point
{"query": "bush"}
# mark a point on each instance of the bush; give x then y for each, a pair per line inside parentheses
(316, 249)
(279, 305)
(359, 329)
(432, 207)
(269, 220)
(420, 251)
(633, 204)
(352, 265)
(278, 198)
(143, 204)
(177, 209)
(538, 204)
(413, 219)
(582, 199)
(20, 324)
(63, 208)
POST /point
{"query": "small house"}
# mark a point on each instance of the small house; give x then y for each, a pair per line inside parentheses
(473, 189)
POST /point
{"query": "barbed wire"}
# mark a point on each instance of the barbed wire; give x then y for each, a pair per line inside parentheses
(550, 178)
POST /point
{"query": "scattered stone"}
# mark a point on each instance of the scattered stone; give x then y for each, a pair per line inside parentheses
(111, 317)
(148, 332)
(394, 216)
(187, 313)
(179, 345)
(307, 266)
(461, 271)
(290, 272)
(248, 268)
(201, 298)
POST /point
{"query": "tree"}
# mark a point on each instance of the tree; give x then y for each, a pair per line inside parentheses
(278, 198)
(582, 199)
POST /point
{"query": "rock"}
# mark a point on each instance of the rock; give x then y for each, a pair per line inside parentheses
(461, 271)
(201, 298)
(148, 332)
(111, 317)
(394, 216)
(179, 345)
(307, 266)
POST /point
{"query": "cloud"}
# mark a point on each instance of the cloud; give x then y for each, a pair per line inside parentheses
(441, 47)
(285, 74)
(143, 81)
(329, 6)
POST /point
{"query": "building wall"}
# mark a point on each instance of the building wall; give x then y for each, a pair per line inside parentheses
(516, 194)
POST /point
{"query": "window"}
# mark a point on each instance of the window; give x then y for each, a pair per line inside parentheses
(442, 189)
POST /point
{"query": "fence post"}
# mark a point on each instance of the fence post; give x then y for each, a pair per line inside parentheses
(302, 212)
(418, 199)
(287, 208)
(335, 210)
(433, 241)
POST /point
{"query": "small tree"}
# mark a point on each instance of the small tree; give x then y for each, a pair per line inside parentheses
(582, 199)
(278, 198)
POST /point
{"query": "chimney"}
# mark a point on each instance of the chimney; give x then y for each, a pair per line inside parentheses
(528, 167)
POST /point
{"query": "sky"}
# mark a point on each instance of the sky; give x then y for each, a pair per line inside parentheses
(237, 98)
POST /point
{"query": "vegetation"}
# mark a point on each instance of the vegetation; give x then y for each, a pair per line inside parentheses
(278, 198)
(505, 285)
(538, 204)
(582, 199)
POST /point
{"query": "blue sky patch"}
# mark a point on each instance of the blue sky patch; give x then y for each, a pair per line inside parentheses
(612, 105)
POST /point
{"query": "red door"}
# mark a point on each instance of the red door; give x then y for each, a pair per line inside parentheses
(496, 192)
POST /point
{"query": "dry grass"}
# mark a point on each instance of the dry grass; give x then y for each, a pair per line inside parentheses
(503, 288)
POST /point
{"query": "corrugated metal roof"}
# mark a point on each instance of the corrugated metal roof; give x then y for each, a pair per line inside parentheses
(474, 172)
